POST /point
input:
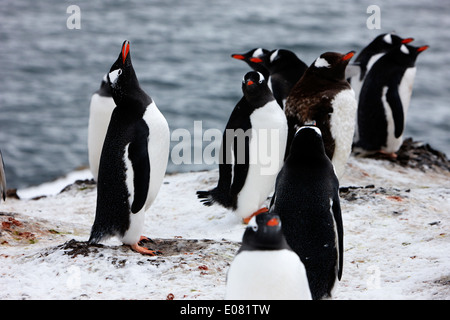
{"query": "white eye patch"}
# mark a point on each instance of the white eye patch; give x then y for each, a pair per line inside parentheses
(113, 75)
(258, 52)
(321, 63)
(388, 38)
(252, 224)
(261, 77)
(273, 56)
(404, 49)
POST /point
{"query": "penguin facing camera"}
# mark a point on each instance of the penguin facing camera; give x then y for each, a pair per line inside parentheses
(265, 267)
(245, 180)
(324, 95)
(133, 160)
(307, 201)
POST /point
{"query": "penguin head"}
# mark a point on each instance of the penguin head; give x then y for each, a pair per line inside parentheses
(105, 87)
(331, 65)
(253, 58)
(264, 232)
(121, 76)
(387, 41)
(307, 143)
(279, 59)
(254, 85)
(254, 55)
(406, 55)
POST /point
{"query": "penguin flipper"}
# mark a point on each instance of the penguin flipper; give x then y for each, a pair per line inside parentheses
(139, 157)
(336, 209)
(396, 105)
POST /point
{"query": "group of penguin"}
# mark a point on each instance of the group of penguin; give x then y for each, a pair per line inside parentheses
(293, 248)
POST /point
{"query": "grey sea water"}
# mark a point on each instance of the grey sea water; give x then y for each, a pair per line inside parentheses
(181, 53)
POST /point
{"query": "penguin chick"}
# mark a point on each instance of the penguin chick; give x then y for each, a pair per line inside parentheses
(324, 96)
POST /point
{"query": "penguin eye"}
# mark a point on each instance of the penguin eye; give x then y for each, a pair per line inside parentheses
(113, 75)
(252, 224)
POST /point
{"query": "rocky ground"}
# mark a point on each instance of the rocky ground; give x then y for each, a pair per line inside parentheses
(396, 225)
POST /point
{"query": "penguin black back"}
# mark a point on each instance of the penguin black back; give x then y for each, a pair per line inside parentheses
(307, 200)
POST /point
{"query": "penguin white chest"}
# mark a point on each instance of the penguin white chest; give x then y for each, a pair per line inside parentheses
(269, 274)
(100, 112)
(158, 152)
(342, 127)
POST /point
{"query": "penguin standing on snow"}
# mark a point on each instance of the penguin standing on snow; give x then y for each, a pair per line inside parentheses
(133, 160)
(384, 101)
(369, 55)
(307, 200)
(285, 70)
(324, 96)
(2, 178)
(265, 267)
(100, 110)
(252, 151)
(254, 58)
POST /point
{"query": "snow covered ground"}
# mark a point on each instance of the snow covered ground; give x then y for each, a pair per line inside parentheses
(396, 225)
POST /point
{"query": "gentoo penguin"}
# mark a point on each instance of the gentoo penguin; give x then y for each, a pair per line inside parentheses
(285, 70)
(100, 110)
(2, 178)
(384, 101)
(324, 96)
(133, 160)
(307, 200)
(369, 55)
(252, 151)
(265, 267)
(254, 58)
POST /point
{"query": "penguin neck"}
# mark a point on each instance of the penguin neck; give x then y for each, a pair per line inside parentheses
(134, 98)
(259, 100)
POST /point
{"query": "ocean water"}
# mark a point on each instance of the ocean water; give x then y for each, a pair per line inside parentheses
(181, 53)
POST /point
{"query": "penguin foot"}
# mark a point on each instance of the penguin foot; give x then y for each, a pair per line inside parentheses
(262, 210)
(389, 155)
(142, 250)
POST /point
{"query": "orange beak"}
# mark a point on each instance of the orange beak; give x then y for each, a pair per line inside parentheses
(250, 82)
(273, 222)
(423, 48)
(256, 60)
(125, 50)
(348, 56)
(407, 40)
(238, 56)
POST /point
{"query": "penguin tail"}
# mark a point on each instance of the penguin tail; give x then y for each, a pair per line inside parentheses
(216, 195)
